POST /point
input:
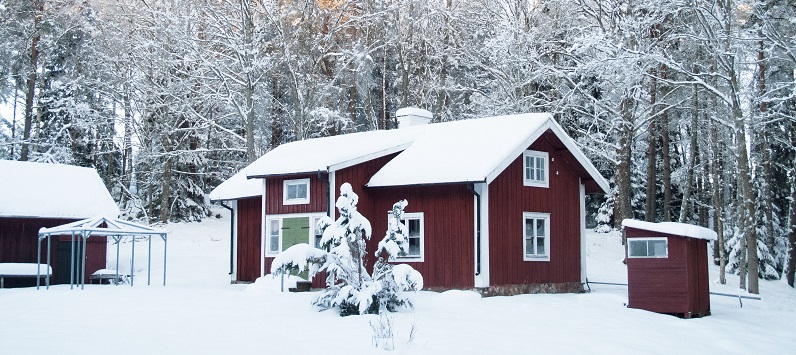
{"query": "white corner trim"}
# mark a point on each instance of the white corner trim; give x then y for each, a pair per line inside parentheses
(262, 233)
(582, 198)
(482, 280)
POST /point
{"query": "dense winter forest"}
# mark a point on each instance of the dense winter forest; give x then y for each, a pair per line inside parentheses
(689, 107)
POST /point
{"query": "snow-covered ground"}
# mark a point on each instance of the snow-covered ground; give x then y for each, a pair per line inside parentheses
(199, 311)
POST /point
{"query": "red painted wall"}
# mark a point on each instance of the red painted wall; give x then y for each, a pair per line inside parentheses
(449, 230)
(678, 284)
(249, 214)
(273, 193)
(508, 199)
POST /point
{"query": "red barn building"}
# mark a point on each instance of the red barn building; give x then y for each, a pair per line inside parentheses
(36, 195)
(495, 203)
(667, 267)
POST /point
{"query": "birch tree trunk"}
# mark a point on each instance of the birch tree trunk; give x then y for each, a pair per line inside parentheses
(692, 152)
(30, 85)
(652, 156)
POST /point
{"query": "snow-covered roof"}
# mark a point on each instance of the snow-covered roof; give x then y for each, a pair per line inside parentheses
(41, 190)
(675, 228)
(101, 225)
(330, 153)
(238, 186)
(476, 150)
(463, 151)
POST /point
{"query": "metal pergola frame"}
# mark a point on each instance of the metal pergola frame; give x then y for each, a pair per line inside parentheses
(115, 229)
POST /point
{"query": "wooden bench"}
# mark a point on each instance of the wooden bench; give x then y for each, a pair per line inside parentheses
(22, 270)
(108, 276)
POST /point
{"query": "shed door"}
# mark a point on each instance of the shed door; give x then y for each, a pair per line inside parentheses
(63, 261)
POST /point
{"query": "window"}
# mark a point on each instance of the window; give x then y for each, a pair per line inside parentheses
(274, 233)
(648, 247)
(285, 231)
(536, 236)
(316, 234)
(296, 192)
(535, 169)
(414, 227)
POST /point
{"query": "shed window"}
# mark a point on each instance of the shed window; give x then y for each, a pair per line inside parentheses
(536, 236)
(414, 226)
(296, 192)
(535, 168)
(648, 248)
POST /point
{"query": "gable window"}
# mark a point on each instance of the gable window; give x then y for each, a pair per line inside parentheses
(536, 236)
(648, 247)
(415, 235)
(535, 168)
(296, 192)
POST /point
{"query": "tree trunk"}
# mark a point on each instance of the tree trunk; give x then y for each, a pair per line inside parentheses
(692, 152)
(31, 81)
(667, 160)
(164, 197)
(652, 156)
(791, 269)
(622, 177)
(718, 224)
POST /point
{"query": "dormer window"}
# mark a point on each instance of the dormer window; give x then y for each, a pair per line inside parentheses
(296, 192)
(535, 168)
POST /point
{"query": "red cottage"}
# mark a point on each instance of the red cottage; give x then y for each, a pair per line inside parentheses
(36, 195)
(667, 267)
(495, 204)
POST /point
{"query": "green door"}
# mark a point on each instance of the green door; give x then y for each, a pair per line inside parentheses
(64, 261)
(295, 231)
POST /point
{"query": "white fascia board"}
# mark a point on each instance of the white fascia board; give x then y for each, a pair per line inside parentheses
(517, 151)
(482, 280)
(368, 157)
(578, 154)
(262, 233)
(582, 198)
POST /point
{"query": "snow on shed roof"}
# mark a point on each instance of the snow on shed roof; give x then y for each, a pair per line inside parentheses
(52, 191)
(330, 153)
(237, 186)
(683, 229)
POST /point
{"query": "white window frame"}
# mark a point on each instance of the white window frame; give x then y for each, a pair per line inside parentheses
(411, 259)
(546, 218)
(535, 154)
(313, 217)
(295, 201)
(647, 240)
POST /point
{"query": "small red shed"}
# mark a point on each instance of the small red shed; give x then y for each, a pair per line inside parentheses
(667, 267)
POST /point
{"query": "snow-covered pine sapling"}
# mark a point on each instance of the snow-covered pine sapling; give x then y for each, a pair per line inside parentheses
(395, 279)
(348, 284)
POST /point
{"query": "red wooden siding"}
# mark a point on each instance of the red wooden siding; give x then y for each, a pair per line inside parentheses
(18, 243)
(248, 244)
(273, 193)
(508, 199)
(677, 284)
(449, 231)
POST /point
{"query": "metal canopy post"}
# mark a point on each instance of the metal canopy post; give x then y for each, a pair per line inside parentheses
(165, 244)
(149, 260)
(132, 264)
(49, 248)
(38, 261)
(118, 240)
(83, 262)
(72, 263)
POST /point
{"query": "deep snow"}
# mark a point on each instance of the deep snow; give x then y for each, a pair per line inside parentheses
(199, 311)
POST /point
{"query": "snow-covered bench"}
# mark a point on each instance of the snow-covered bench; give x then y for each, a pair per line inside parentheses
(109, 275)
(22, 270)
